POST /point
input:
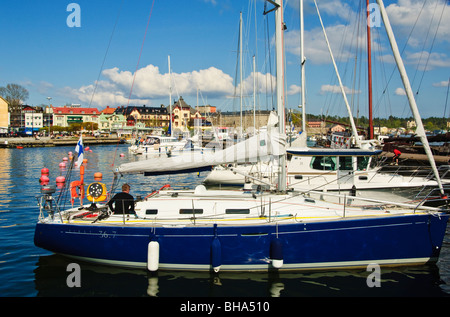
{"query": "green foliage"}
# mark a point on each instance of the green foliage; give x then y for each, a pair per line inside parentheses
(430, 124)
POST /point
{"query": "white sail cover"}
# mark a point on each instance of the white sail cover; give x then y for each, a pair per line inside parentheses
(259, 147)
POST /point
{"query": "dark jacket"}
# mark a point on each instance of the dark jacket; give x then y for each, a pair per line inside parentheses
(123, 203)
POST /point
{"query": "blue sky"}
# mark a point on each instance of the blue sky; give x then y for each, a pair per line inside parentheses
(49, 58)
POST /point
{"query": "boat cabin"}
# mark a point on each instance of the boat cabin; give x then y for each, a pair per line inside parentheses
(322, 166)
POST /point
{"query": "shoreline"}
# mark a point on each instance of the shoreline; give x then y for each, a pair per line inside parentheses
(68, 141)
(47, 142)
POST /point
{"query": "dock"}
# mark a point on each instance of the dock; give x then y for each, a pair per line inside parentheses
(23, 142)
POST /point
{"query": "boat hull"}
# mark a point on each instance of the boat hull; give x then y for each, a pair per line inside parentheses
(347, 243)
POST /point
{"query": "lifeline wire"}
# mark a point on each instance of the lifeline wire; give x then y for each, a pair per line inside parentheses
(142, 47)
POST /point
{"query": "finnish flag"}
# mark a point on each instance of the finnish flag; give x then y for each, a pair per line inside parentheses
(79, 149)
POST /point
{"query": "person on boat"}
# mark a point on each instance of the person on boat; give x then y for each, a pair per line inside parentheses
(123, 202)
(397, 154)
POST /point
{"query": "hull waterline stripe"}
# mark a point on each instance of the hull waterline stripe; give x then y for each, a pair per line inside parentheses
(259, 267)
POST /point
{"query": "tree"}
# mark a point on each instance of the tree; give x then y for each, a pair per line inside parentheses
(430, 126)
(14, 94)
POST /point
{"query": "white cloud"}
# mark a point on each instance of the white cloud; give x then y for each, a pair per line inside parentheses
(294, 89)
(150, 84)
(104, 95)
(426, 61)
(316, 50)
(443, 83)
(264, 83)
(400, 91)
(42, 86)
(343, 36)
(335, 89)
(336, 8)
(403, 15)
(424, 17)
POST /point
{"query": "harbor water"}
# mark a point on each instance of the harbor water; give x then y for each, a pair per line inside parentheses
(27, 271)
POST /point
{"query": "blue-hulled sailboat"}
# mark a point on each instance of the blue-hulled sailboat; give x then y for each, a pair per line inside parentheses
(227, 230)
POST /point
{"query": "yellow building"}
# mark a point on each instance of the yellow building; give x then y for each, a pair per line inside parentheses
(183, 114)
(4, 116)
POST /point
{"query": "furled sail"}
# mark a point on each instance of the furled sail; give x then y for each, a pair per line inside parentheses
(259, 147)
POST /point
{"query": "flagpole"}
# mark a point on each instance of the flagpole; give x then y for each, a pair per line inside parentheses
(80, 150)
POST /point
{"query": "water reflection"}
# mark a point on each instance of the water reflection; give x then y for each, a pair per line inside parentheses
(98, 280)
(28, 271)
(5, 172)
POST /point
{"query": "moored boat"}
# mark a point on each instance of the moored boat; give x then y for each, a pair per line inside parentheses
(239, 231)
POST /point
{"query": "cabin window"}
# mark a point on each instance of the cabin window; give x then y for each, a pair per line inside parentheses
(237, 211)
(190, 211)
(324, 163)
(151, 211)
(345, 163)
(363, 162)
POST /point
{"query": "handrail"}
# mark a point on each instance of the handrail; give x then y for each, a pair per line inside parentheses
(377, 201)
(427, 196)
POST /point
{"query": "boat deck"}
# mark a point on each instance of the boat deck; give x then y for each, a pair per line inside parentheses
(206, 207)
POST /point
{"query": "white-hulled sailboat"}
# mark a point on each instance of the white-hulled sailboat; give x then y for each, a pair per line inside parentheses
(340, 168)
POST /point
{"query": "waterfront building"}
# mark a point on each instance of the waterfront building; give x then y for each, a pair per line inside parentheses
(48, 117)
(109, 122)
(4, 115)
(233, 119)
(64, 116)
(337, 128)
(411, 124)
(32, 118)
(151, 117)
(184, 115)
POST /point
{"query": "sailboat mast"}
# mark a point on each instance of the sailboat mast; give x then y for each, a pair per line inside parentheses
(240, 64)
(279, 43)
(369, 74)
(170, 99)
(302, 61)
(420, 131)
(254, 94)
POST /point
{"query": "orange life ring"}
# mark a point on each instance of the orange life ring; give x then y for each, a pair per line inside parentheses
(76, 190)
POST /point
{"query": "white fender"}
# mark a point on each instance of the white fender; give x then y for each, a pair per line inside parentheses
(277, 263)
(153, 256)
